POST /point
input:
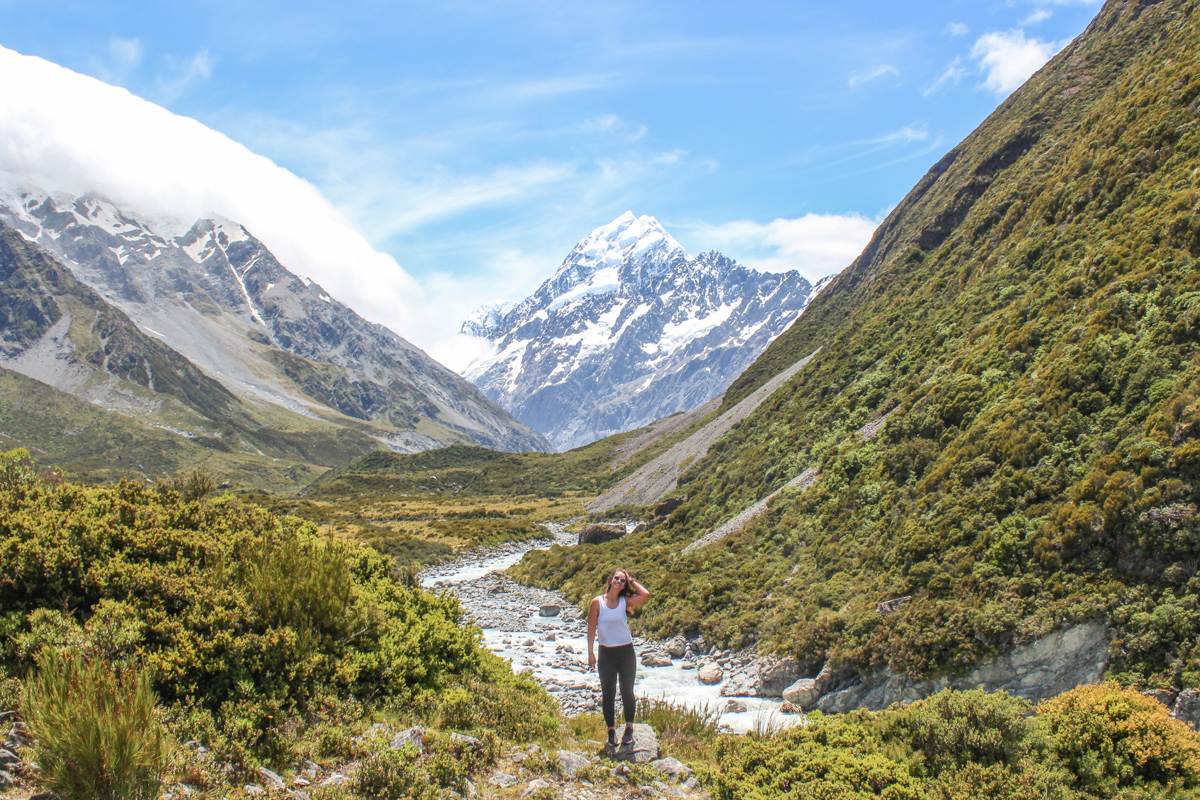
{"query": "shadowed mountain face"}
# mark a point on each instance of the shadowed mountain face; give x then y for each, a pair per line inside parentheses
(628, 330)
(219, 298)
(999, 434)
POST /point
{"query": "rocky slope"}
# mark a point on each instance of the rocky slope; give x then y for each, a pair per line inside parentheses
(218, 297)
(1003, 414)
(629, 329)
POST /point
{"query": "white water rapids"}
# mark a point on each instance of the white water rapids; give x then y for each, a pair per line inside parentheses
(554, 649)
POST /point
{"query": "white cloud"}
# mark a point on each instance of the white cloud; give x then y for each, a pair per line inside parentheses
(63, 131)
(1038, 16)
(951, 75)
(857, 79)
(1008, 58)
(183, 76)
(957, 29)
(815, 244)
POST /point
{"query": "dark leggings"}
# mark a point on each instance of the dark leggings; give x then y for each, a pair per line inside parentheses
(613, 663)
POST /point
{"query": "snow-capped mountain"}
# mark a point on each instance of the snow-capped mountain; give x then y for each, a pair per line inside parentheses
(629, 329)
(215, 294)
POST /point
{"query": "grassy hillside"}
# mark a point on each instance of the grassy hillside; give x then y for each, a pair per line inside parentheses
(1030, 313)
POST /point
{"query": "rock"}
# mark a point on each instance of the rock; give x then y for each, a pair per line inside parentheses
(776, 674)
(301, 781)
(7, 716)
(667, 506)
(464, 741)
(803, 693)
(1164, 696)
(672, 768)
(549, 610)
(270, 779)
(570, 763)
(536, 785)
(710, 673)
(790, 708)
(644, 748)
(601, 532)
(641, 527)
(8, 758)
(414, 736)
(655, 659)
(310, 770)
(501, 779)
(6, 779)
(677, 647)
(254, 790)
(734, 706)
(1047, 666)
(336, 779)
(889, 606)
(1187, 708)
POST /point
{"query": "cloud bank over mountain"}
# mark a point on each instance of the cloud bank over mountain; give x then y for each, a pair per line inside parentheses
(63, 131)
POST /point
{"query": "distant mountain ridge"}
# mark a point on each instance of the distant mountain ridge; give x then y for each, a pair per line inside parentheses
(220, 298)
(629, 329)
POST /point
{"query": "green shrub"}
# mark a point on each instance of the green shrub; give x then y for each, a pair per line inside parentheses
(395, 773)
(515, 707)
(952, 729)
(1112, 738)
(96, 735)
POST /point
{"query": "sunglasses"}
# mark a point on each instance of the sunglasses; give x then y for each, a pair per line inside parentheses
(618, 580)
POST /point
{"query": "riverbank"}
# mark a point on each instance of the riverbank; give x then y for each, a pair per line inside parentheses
(539, 631)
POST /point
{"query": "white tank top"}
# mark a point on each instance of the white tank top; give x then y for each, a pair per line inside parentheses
(612, 626)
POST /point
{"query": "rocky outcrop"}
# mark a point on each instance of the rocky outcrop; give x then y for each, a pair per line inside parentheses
(601, 532)
(1187, 708)
(1042, 668)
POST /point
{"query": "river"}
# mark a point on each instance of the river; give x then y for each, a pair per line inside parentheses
(554, 648)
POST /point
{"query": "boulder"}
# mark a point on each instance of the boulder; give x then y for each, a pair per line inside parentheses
(414, 736)
(641, 527)
(653, 658)
(672, 768)
(8, 758)
(599, 532)
(549, 610)
(1187, 708)
(535, 786)
(790, 708)
(336, 779)
(710, 673)
(677, 647)
(6, 779)
(667, 506)
(776, 674)
(644, 748)
(1164, 696)
(502, 779)
(570, 764)
(254, 790)
(270, 779)
(464, 742)
(734, 706)
(802, 693)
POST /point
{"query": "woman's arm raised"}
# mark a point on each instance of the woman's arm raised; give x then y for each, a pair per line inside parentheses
(641, 595)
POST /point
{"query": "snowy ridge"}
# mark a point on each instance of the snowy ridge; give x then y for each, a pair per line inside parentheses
(628, 329)
(216, 295)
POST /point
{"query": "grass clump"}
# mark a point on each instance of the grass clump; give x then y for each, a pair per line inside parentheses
(96, 733)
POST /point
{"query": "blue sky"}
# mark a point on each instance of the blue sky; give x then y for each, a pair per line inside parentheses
(478, 142)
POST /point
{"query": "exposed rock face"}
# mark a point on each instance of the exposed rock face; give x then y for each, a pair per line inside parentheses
(1042, 668)
(215, 294)
(1187, 708)
(629, 330)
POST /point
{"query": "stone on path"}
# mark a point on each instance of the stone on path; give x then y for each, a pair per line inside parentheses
(672, 768)
(710, 673)
(644, 748)
(571, 763)
(549, 610)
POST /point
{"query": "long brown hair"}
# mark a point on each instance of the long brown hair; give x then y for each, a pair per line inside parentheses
(628, 590)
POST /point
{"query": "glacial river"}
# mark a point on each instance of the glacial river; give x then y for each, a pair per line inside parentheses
(554, 648)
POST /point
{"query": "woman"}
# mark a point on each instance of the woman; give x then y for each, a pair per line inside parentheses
(608, 622)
